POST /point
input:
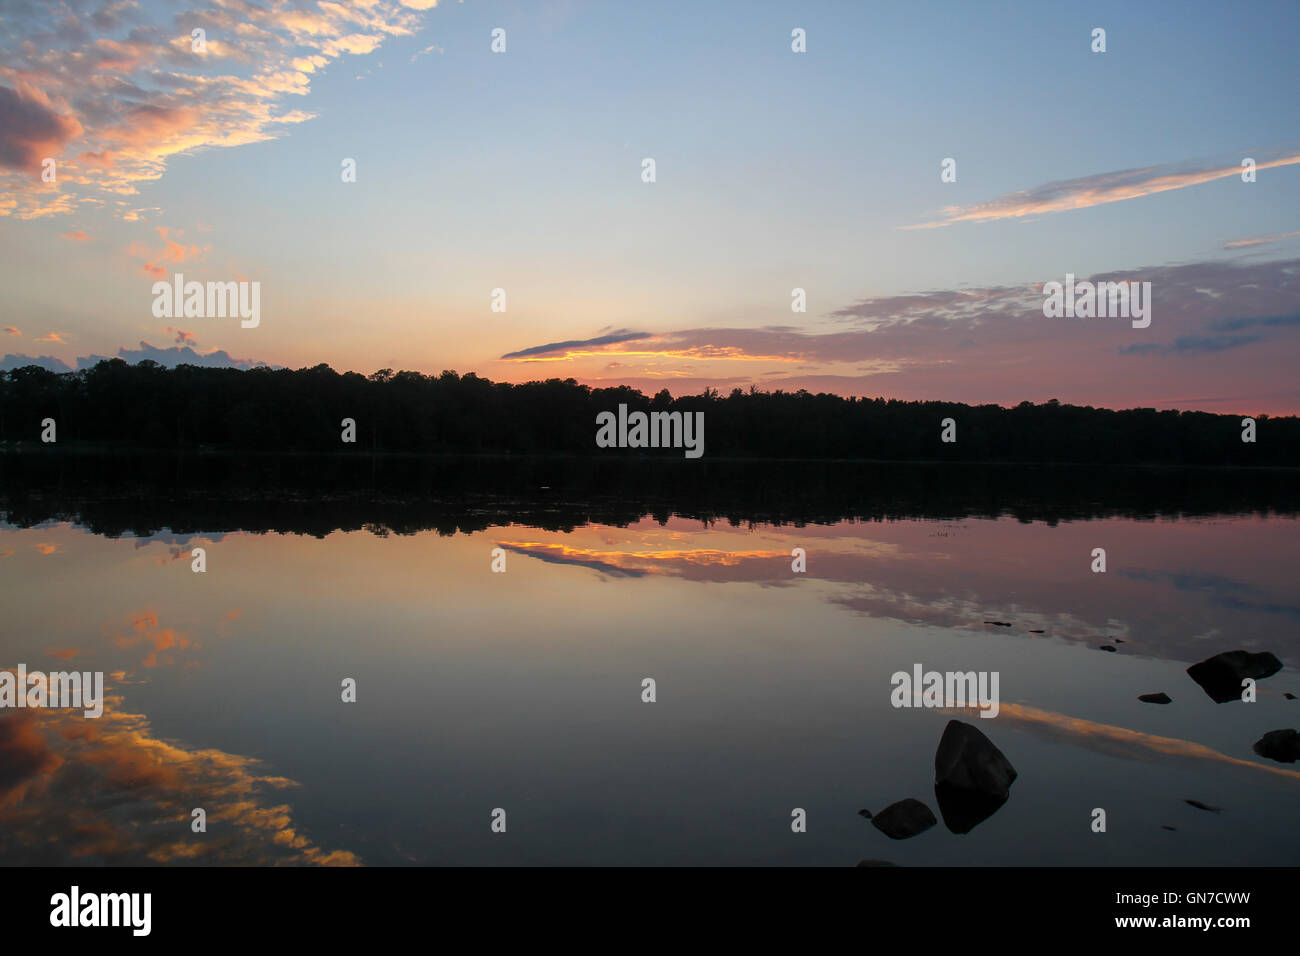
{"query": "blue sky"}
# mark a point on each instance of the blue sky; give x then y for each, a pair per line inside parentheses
(775, 170)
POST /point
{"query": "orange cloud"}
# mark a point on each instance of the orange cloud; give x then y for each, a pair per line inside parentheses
(60, 771)
(1098, 190)
(1259, 240)
(138, 93)
(1122, 742)
(78, 236)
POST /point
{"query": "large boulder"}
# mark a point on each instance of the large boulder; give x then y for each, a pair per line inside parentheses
(972, 778)
(1220, 676)
(1280, 745)
(904, 819)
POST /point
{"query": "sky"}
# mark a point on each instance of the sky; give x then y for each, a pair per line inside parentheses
(774, 170)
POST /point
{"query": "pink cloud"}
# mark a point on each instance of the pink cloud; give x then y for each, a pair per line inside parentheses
(1099, 189)
(112, 105)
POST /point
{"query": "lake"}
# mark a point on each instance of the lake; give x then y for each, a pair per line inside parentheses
(522, 691)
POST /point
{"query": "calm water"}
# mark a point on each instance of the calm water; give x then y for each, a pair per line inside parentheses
(478, 690)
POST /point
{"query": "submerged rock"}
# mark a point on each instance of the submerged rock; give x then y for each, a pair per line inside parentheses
(865, 813)
(1165, 826)
(904, 819)
(972, 778)
(1203, 806)
(1160, 698)
(1220, 676)
(1280, 745)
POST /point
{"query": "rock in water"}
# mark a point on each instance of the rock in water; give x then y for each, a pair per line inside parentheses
(1161, 698)
(972, 778)
(904, 819)
(1106, 647)
(1203, 806)
(1220, 676)
(1280, 745)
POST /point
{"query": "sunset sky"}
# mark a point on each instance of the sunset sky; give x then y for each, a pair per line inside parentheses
(775, 170)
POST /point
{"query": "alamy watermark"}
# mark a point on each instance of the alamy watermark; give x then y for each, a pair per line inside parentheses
(65, 689)
(1102, 300)
(213, 300)
(950, 689)
(655, 430)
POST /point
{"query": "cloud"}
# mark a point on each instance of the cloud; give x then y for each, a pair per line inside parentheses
(171, 251)
(431, 48)
(176, 355)
(1234, 323)
(77, 236)
(47, 362)
(113, 90)
(170, 357)
(1122, 742)
(31, 129)
(182, 337)
(1192, 344)
(537, 351)
(1099, 189)
(10, 330)
(55, 337)
(1259, 240)
(109, 792)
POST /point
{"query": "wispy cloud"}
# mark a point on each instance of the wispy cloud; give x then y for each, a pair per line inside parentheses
(1259, 240)
(1099, 189)
(1231, 322)
(563, 348)
(111, 92)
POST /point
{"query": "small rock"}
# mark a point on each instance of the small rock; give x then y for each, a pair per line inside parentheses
(1107, 647)
(1203, 806)
(999, 623)
(1032, 631)
(1119, 640)
(1280, 745)
(1160, 698)
(904, 819)
(972, 778)
(1164, 826)
(1289, 696)
(1220, 676)
(865, 813)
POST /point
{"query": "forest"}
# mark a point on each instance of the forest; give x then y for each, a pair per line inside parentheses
(147, 405)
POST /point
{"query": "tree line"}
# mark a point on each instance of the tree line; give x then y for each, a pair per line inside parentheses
(148, 405)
